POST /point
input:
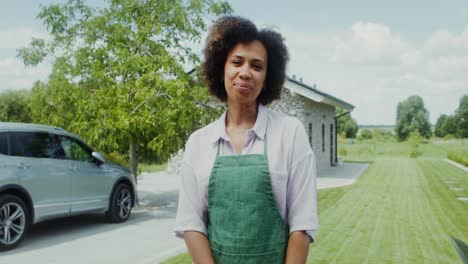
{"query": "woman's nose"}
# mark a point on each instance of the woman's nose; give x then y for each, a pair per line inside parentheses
(245, 71)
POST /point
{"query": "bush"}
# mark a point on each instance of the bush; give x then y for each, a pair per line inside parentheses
(118, 159)
(449, 136)
(414, 141)
(459, 157)
(342, 152)
(366, 134)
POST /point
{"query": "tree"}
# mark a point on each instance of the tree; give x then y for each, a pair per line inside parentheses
(366, 134)
(411, 116)
(14, 106)
(350, 128)
(118, 78)
(439, 126)
(461, 115)
(450, 126)
(346, 124)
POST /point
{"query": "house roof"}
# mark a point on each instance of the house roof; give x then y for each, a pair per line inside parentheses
(313, 94)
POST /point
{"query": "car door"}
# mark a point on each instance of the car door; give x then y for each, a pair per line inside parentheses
(9, 173)
(90, 183)
(39, 166)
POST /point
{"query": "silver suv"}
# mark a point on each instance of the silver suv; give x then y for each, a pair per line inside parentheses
(46, 172)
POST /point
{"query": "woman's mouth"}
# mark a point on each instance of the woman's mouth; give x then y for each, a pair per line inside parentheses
(242, 87)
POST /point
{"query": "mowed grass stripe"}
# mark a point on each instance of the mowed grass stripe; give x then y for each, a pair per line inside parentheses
(392, 215)
(400, 211)
(450, 213)
(347, 209)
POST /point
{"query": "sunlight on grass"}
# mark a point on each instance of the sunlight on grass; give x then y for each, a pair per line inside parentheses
(401, 210)
(144, 167)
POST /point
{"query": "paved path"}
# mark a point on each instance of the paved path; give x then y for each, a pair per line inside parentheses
(458, 165)
(344, 174)
(146, 237)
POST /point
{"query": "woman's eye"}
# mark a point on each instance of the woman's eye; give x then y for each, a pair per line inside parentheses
(258, 67)
(236, 62)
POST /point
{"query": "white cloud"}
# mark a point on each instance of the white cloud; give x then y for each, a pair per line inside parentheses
(15, 38)
(368, 43)
(14, 75)
(442, 43)
(374, 68)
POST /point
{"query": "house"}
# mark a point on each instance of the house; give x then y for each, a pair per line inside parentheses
(316, 110)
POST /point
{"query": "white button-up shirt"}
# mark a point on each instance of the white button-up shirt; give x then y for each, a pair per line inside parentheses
(292, 170)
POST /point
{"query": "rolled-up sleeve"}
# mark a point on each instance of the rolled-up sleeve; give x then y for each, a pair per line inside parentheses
(191, 211)
(301, 190)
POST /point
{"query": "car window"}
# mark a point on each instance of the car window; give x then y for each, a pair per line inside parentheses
(3, 144)
(36, 145)
(74, 150)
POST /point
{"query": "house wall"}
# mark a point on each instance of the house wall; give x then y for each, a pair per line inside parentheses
(315, 114)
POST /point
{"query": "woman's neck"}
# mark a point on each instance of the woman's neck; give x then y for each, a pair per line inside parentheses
(241, 116)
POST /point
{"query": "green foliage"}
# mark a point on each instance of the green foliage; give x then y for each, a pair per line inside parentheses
(456, 124)
(383, 135)
(34, 55)
(179, 259)
(461, 116)
(14, 106)
(439, 130)
(342, 151)
(414, 141)
(366, 134)
(118, 78)
(350, 128)
(346, 124)
(459, 157)
(449, 136)
(117, 158)
(152, 167)
(412, 115)
(449, 126)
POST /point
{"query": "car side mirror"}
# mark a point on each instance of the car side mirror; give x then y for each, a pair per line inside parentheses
(99, 157)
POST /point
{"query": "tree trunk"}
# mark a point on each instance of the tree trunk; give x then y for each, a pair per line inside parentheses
(133, 159)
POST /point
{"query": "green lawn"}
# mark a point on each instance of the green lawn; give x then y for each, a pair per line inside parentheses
(400, 211)
(145, 167)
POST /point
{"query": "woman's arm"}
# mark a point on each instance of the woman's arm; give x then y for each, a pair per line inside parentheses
(298, 248)
(199, 247)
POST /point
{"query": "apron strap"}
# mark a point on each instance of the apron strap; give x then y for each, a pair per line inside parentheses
(265, 138)
(217, 151)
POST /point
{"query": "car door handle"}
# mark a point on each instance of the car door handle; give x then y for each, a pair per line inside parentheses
(23, 166)
(73, 168)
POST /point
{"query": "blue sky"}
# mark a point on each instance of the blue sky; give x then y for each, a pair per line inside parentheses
(372, 54)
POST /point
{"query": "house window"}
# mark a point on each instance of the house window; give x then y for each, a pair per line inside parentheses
(323, 137)
(331, 144)
(310, 134)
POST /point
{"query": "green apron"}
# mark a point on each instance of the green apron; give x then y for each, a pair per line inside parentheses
(244, 223)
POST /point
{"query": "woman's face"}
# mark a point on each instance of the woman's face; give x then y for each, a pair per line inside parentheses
(245, 72)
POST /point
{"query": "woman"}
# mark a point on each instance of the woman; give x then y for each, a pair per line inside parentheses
(248, 179)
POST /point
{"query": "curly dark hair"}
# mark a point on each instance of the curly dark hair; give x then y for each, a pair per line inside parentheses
(226, 33)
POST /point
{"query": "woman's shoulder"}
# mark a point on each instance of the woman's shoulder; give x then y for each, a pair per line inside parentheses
(202, 135)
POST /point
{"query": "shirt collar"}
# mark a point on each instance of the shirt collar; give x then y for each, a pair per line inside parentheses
(259, 127)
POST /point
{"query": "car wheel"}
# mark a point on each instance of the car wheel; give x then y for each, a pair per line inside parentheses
(14, 221)
(120, 204)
